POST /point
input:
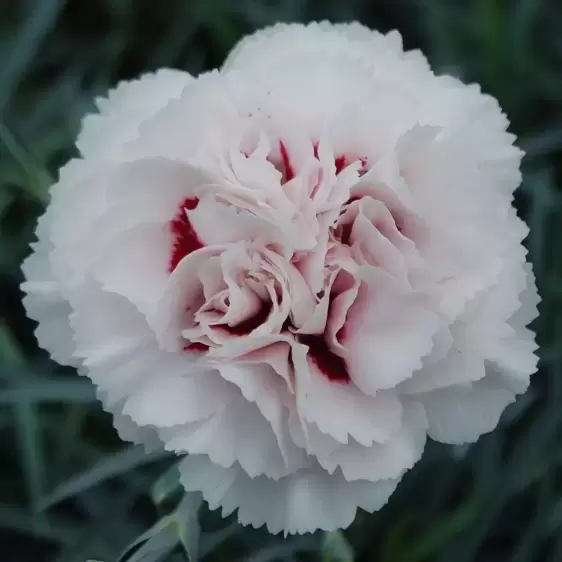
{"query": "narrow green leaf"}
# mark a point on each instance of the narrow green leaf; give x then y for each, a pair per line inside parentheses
(493, 27)
(443, 531)
(181, 526)
(11, 354)
(159, 527)
(210, 541)
(544, 142)
(107, 468)
(71, 390)
(187, 523)
(39, 178)
(285, 549)
(6, 199)
(335, 548)
(166, 485)
(28, 427)
(26, 45)
(530, 540)
(526, 14)
(102, 535)
(58, 529)
(155, 548)
(440, 32)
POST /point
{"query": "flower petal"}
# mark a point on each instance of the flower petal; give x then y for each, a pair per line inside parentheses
(125, 108)
(387, 332)
(237, 432)
(367, 419)
(461, 414)
(305, 501)
(381, 461)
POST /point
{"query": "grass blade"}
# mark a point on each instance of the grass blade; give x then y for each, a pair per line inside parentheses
(72, 391)
(25, 47)
(39, 179)
(107, 468)
(28, 427)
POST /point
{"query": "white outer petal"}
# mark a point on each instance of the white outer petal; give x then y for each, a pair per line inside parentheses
(262, 385)
(44, 301)
(235, 433)
(302, 502)
(382, 461)
(461, 414)
(341, 410)
(120, 114)
(323, 38)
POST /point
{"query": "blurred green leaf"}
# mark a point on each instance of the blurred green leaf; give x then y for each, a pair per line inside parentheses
(529, 543)
(181, 527)
(187, 523)
(6, 199)
(210, 541)
(26, 45)
(163, 540)
(440, 31)
(287, 548)
(543, 143)
(167, 485)
(441, 532)
(526, 14)
(39, 179)
(109, 467)
(28, 427)
(60, 529)
(71, 391)
(155, 548)
(335, 548)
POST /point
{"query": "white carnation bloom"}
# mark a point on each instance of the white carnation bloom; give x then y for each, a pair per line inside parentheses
(294, 269)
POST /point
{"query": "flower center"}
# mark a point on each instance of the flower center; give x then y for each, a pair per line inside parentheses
(185, 240)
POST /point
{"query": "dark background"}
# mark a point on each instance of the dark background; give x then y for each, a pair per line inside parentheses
(69, 490)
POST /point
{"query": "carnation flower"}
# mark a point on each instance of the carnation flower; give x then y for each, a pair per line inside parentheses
(293, 270)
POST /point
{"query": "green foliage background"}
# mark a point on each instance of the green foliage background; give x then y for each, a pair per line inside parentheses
(69, 490)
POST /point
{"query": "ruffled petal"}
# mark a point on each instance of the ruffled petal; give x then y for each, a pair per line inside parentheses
(461, 414)
(302, 502)
(382, 461)
(125, 108)
(236, 433)
(44, 301)
(387, 333)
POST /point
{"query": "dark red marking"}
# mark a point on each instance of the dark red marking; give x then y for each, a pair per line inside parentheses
(287, 166)
(346, 233)
(340, 162)
(186, 240)
(330, 364)
(251, 323)
(195, 346)
(316, 151)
